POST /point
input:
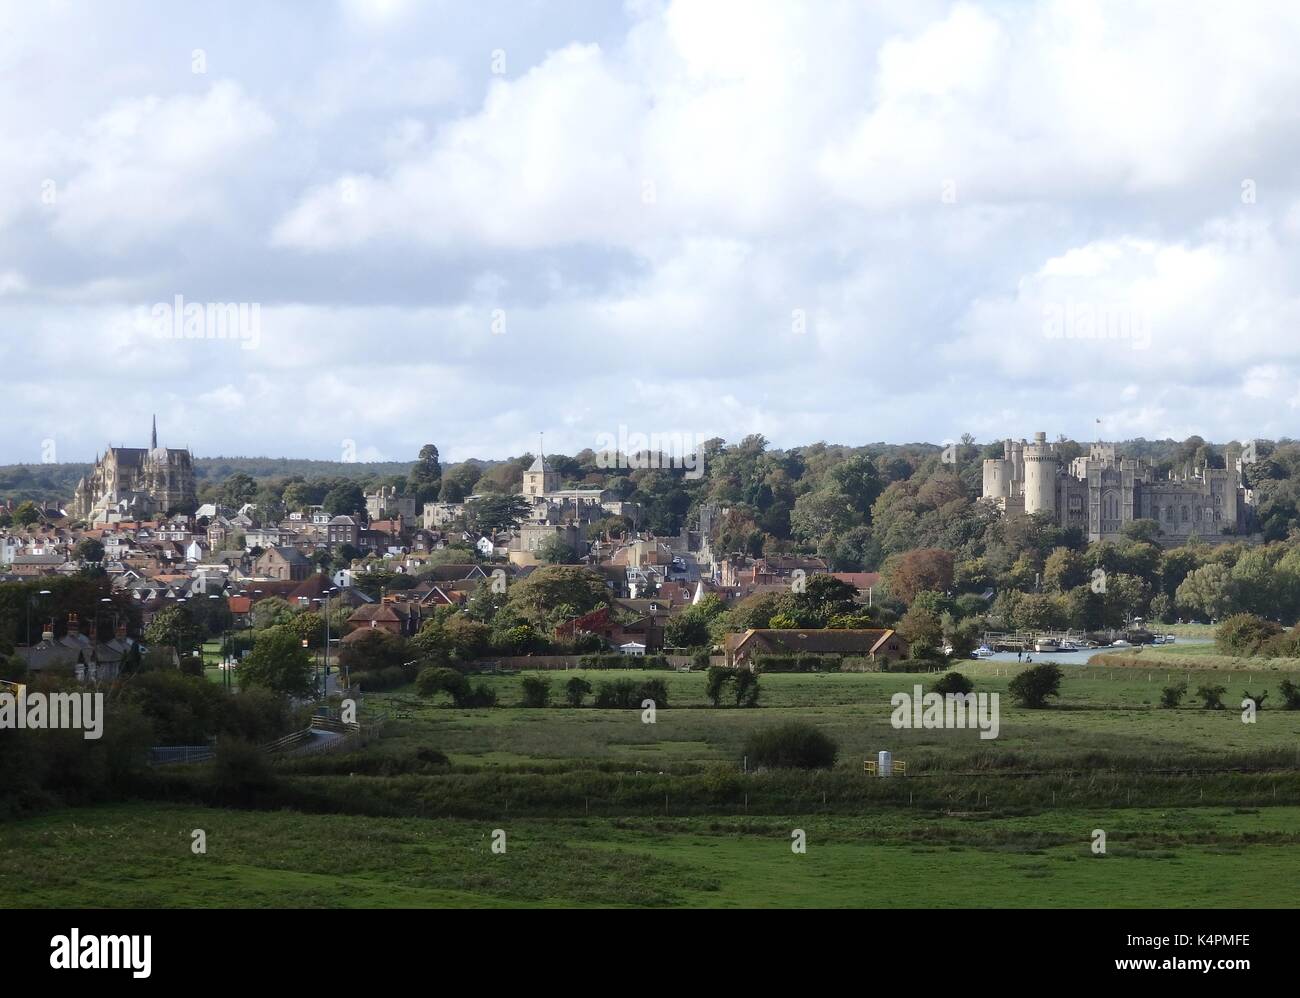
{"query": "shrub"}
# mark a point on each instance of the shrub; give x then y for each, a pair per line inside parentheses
(616, 661)
(1172, 696)
(537, 691)
(240, 770)
(1212, 696)
(628, 693)
(793, 745)
(1034, 685)
(797, 663)
(653, 689)
(952, 682)
(576, 690)
(1290, 694)
(746, 688)
(1243, 633)
(1258, 698)
(715, 681)
(481, 696)
(435, 680)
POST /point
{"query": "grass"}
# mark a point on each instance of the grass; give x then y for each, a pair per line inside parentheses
(140, 856)
(601, 809)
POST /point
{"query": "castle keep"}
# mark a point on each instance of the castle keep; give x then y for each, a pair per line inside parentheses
(1100, 493)
(134, 483)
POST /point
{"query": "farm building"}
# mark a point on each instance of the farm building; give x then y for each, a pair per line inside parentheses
(874, 644)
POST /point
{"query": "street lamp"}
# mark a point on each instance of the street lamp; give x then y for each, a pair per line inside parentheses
(30, 600)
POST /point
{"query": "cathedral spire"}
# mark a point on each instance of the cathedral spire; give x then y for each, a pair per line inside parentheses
(153, 440)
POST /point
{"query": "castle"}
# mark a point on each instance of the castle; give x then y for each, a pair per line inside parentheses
(131, 483)
(1100, 493)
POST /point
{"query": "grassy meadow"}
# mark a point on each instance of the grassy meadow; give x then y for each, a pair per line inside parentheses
(599, 808)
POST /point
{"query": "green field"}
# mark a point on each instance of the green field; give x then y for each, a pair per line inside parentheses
(140, 856)
(1198, 808)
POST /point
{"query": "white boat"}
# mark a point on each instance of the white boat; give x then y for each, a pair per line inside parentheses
(1046, 645)
(1121, 643)
(983, 651)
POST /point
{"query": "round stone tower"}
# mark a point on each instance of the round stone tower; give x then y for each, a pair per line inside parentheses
(997, 478)
(1040, 476)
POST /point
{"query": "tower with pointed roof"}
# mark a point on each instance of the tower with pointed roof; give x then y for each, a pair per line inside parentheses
(540, 479)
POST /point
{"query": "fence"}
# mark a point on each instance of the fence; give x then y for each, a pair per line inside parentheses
(302, 742)
(167, 755)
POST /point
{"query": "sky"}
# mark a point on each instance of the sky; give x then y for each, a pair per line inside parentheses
(468, 224)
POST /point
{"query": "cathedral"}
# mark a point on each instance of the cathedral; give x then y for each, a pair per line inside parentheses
(1101, 493)
(132, 483)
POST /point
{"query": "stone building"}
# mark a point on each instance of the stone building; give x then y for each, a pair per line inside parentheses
(1102, 492)
(134, 483)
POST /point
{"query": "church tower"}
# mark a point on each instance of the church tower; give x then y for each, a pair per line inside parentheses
(540, 479)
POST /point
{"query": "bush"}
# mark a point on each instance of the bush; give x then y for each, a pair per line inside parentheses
(715, 681)
(481, 696)
(628, 693)
(1172, 696)
(746, 688)
(1258, 698)
(1034, 685)
(797, 663)
(1212, 696)
(576, 690)
(1290, 694)
(435, 680)
(1243, 633)
(616, 661)
(537, 691)
(241, 770)
(793, 745)
(952, 682)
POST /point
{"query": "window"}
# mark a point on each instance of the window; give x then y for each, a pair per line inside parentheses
(1187, 515)
(1169, 514)
(1076, 504)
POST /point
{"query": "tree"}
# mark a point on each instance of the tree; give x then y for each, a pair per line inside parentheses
(715, 682)
(89, 550)
(425, 479)
(273, 611)
(747, 691)
(175, 626)
(576, 690)
(1211, 696)
(238, 489)
(345, 499)
(913, 572)
(434, 680)
(921, 628)
(1064, 569)
(1243, 633)
(1034, 685)
(536, 690)
(551, 589)
(952, 682)
(26, 514)
(555, 551)
(793, 745)
(492, 514)
(1172, 696)
(1207, 591)
(279, 663)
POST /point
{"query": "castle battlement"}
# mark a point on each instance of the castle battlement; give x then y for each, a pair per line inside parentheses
(1103, 491)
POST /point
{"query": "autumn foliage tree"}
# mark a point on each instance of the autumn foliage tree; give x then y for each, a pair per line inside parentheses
(916, 571)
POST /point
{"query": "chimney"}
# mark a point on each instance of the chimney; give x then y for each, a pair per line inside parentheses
(74, 626)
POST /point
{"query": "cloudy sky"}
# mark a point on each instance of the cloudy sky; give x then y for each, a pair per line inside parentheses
(466, 224)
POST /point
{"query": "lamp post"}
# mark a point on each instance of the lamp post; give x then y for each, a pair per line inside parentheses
(30, 600)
